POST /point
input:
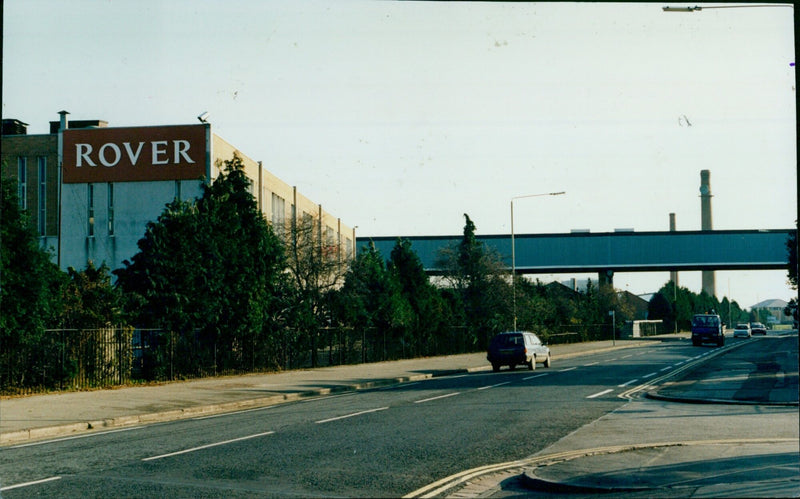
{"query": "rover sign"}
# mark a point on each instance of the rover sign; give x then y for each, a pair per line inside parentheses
(134, 154)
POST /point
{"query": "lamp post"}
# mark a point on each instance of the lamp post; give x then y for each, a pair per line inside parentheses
(513, 249)
(697, 8)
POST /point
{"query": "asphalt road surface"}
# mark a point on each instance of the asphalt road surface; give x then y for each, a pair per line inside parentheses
(374, 443)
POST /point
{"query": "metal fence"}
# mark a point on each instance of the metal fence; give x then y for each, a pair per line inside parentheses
(69, 359)
(66, 359)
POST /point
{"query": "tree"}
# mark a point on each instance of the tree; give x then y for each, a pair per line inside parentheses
(315, 268)
(479, 282)
(211, 271)
(30, 290)
(791, 248)
(373, 304)
(429, 313)
(89, 299)
(660, 308)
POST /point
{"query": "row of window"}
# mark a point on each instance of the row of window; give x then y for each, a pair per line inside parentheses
(278, 203)
(90, 209)
(22, 192)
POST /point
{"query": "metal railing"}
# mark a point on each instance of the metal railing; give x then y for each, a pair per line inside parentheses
(71, 359)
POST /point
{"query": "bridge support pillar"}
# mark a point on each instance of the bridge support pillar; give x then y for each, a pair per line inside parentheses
(606, 277)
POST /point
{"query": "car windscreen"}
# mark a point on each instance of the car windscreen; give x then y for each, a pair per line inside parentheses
(705, 320)
(508, 340)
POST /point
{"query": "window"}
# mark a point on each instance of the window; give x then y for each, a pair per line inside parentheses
(42, 223)
(22, 182)
(110, 209)
(90, 210)
(278, 213)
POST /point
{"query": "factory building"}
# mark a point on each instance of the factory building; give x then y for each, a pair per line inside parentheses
(114, 180)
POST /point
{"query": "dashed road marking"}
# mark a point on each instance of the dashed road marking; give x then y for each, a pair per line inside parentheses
(598, 394)
(207, 446)
(351, 415)
(28, 484)
(437, 398)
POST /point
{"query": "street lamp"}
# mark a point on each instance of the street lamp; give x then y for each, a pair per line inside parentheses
(513, 250)
(697, 8)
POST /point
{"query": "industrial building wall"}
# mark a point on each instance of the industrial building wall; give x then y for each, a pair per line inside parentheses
(36, 154)
(103, 222)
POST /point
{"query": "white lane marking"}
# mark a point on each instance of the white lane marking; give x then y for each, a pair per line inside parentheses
(567, 369)
(28, 484)
(665, 368)
(207, 446)
(627, 356)
(351, 415)
(623, 385)
(437, 398)
(395, 387)
(600, 393)
(43, 442)
(492, 386)
(649, 375)
(232, 413)
(534, 376)
(591, 364)
(326, 397)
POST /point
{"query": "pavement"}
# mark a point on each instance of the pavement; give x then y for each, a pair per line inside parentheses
(650, 447)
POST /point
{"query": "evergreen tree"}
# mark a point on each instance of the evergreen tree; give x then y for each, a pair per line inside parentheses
(479, 282)
(791, 249)
(374, 305)
(30, 290)
(89, 300)
(211, 271)
(426, 304)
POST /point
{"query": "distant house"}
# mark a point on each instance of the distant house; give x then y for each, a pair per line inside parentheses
(638, 304)
(775, 308)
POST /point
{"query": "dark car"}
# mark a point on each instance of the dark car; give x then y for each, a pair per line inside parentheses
(707, 328)
(758, 328)
(517, 347)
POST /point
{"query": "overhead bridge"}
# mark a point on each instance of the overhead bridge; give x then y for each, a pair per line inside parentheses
(609, 252)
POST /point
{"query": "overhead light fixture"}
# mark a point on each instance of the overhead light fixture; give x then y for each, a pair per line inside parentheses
(203, 117)
(667, 8)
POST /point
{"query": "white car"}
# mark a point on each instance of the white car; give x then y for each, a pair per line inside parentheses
(741, 330)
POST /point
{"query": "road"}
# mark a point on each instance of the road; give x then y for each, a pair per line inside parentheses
(383, 442)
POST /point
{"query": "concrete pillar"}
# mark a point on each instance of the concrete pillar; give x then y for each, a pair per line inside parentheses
(606, 278)
(709, 279)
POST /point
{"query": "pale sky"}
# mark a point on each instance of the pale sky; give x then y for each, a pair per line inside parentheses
(399, 117)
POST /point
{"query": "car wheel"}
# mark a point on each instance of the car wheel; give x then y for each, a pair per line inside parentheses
(547, 361)
(532, 363)
(495, 367)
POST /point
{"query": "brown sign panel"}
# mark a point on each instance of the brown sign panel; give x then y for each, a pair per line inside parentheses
(134, 154)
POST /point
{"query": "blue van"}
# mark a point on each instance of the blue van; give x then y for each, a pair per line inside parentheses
(707, 328)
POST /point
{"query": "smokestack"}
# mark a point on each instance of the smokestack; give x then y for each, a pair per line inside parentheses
(709, 281)
(673, 275)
